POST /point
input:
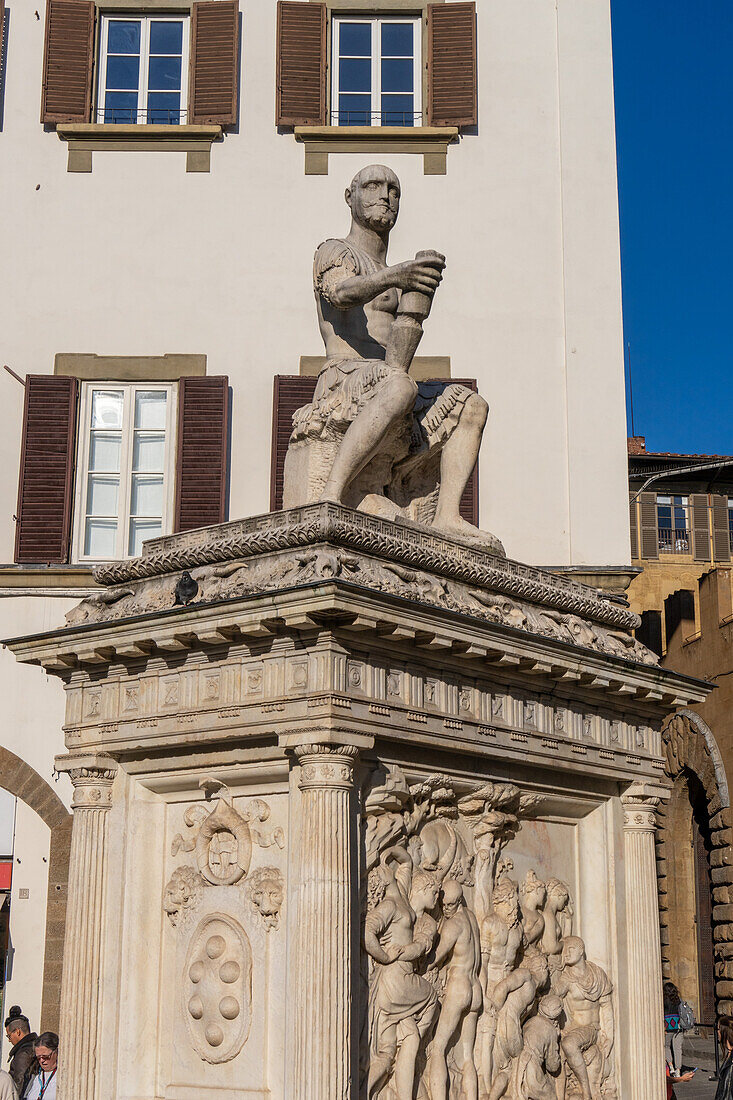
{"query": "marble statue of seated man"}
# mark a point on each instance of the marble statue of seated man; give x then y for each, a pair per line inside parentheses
(373, 438)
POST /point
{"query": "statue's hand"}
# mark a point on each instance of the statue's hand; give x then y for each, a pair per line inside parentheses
(423, 275)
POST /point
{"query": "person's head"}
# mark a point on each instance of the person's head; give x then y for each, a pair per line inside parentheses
(671, 995)
(16, 1025)
(452, 897)
(374, 198)
(46, 1047)
(725, 1032)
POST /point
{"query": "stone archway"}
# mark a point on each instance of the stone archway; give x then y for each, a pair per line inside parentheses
(694, 764)
(20, 779)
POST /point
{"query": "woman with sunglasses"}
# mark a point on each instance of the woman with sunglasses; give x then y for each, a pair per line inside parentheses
(43, 1085)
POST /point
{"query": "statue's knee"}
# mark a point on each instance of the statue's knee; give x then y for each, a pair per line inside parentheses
(401, 392)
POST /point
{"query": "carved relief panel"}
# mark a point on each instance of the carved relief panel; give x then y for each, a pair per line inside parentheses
(217, 988)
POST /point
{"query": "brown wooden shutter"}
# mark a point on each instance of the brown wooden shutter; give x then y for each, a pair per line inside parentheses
(68, 60)
(700, 527)
(290, 393)
(46, 481)
(649, 534)
(2, 43)
(634, 527)
(452, 86)
(213, 94)
(203, 445)
(721, 532)
(301, 64)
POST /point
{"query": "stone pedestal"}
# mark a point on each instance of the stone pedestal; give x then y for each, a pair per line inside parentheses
(288, 920)
(646, 1031)
(92, 777)
(323, 1048)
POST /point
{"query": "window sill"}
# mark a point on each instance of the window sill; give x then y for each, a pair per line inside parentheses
(85, 138)
(75, 581)
(431, 141)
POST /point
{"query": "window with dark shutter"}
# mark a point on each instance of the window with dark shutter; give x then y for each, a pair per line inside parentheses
(203, 445)
(291, 392)
(2, 45)
(634, 527)
(452, 86)
(700, 527)
(68, 60)
(46, 470)
(649, 533)
(301, 64)
(721, 530)
(214, 62)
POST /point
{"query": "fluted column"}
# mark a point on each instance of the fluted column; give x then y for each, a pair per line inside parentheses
(645, 1057)
(323, 1064)
(92, 777)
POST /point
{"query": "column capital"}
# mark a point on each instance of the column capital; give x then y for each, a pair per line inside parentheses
(92, 775)
(640, 802)
(326, 766)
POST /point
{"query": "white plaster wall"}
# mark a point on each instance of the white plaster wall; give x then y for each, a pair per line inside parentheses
(28, 915)
(141, 258)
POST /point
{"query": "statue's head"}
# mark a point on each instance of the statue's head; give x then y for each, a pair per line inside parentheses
(533, 889)
(573, 951)
(539, 968)
(452, 897)
(425, 890)
(550, 1007)
(557, 894)
(505, 902)
(373, 196)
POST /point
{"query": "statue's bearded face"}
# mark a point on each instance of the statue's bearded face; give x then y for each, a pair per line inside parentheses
(374, 198)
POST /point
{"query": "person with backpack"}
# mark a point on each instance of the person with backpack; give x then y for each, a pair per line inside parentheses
(22, 1064)
(678, 1018)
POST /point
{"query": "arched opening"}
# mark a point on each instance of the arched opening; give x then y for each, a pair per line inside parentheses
(694, 874)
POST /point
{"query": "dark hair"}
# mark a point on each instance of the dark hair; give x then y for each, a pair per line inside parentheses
(47, 1039)
(672, 998)
(725, 1029)
(15, 1019)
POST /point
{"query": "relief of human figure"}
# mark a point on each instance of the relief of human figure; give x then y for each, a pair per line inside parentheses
(513, 997)
(588, 1035)
(501, 940)
(398, 440)
(558, 915)
(537, 1067)
(459, 948)
(532, 897)
(402, 1003)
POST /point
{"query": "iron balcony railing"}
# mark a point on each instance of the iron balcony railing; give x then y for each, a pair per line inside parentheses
(674, 540)
(158, 116)
(376, 118)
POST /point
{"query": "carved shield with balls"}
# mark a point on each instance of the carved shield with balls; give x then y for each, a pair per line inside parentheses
(217, 988)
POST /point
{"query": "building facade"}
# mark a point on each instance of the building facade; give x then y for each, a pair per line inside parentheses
(167, 170)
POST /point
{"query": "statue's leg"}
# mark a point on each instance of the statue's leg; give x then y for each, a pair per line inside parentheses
(456, 465)
(393, 399)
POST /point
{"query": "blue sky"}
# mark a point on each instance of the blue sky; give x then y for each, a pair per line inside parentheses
(673, 62)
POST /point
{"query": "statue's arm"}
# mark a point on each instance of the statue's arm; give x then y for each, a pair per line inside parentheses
(376, 922)
(421, 275)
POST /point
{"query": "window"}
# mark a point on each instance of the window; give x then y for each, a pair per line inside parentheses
(673, 524)
(124, 477)
(143, 67)
(376, 72)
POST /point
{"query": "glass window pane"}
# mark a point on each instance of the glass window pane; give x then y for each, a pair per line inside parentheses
(100, 537)
(355, 75)
(140, 530)
(123, 36)
(397, 39)
(398, 110)
(102, 495)
(123, 72)
(150, 409)
(106, 408)
(146, 498)
(397, 76)
(148, 452)
(355, 39)
(120, 107)
(165, 73)
(166, 36)
(164, 108)
(354, 110)
(104, 451)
